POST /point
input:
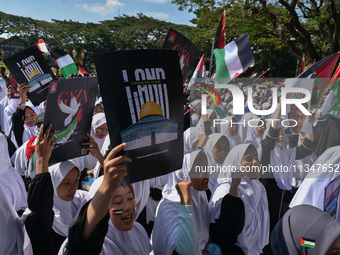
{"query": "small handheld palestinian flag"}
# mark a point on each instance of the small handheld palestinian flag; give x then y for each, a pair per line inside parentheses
(309, 243)
(65, 62)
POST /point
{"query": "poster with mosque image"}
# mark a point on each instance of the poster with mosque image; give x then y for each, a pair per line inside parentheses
(30, 67)
(142, 97)
(69, 109)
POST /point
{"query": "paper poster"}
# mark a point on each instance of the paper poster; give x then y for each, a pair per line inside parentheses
(69, 109)
(30, 67)
(142, 97)
(187, 51)
(332, 199)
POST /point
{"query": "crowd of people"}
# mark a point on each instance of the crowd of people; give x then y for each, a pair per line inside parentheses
(198, 209)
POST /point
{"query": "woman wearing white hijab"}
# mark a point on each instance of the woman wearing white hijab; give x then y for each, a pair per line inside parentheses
(312, 189)
(195, 112)
(182, 217)
(216, 149)
(255, 233)
(230, 130)
(99, 131)
(113, 201)
(281, 159)
(10, 179)
(24, 120)
(53, 199)
(255, 132)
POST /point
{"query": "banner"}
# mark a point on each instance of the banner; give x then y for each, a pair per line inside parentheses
(30, 67)
(142, 97)
(69, 109)
(187, 51)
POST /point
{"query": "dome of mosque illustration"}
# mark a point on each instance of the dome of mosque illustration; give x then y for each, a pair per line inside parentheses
(34, 73)
(150, 110)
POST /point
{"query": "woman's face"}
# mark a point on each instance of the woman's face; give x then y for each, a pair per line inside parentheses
(30, 117)
(67, 188)
(101, 131)
(281, 141)
(233, 129)
(250, 159)
(124, 201)
(260, 129)
(200, 184)
(221, 150)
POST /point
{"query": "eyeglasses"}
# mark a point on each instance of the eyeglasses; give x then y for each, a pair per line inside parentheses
(101, 130)
(219, 149)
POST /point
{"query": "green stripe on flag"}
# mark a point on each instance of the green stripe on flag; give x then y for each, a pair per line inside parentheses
(69, 69)
(308, 245)
(222, 73)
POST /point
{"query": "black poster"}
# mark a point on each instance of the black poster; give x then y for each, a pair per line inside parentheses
(187, 51)
(142, 97)
(69, 109)
(30, 67)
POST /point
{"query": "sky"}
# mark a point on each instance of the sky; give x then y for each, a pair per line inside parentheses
(95, 10)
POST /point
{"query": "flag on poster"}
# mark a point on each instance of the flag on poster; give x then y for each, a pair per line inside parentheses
(187, 51)
(30, 67)
(199, 73)
(233, 59)
(65, 62)
(69, 109)
(82, 71)
(219, 43)
(144, 108)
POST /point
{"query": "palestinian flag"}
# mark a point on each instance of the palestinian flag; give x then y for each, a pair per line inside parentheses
(219, 43)
(199, 72)
(309, 243)
(65, 62)
(253, 75)
(322, 72)
(82, 71)
(233, 59)
(335, 90)
(42, 46)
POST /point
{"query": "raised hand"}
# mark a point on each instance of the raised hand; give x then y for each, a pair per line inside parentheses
(183, 189)
(43, 149)
(94, 149)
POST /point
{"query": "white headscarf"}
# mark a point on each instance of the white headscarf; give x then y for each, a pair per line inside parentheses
(30, 131)
(195, 116)
(253, 137)
(212, 141)
(243, 128)
(166, 223)
(10, 179)
(12, 236)
(233, 140)
(255, 233)
(65, 212)
(97, 120)
(190, 136)
(135, 241)
(312, 189)
(283, 157)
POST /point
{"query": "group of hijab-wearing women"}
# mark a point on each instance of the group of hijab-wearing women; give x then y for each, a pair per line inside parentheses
(236, 217)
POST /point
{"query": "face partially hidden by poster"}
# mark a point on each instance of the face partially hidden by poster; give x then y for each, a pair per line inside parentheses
(299, 117)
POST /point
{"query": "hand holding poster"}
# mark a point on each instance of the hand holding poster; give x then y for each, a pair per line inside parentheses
(141, 91)
(187, 51)
(30, 67)
(69, 109)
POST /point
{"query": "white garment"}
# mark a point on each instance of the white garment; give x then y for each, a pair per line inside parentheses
(200, 123)
(97, 120)
(65, 212)
(255, 233)
(30, 131)
(151, 205)
(10, 179)
(233, 140)
(212, 141)
(166, 223)
(3, 89)
(8, 112)
(190, 136)
(252, 135)
(243, 128)
(312, 189)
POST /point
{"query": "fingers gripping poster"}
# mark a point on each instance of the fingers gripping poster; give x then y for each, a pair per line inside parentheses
(69, 109)
(142, 96)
